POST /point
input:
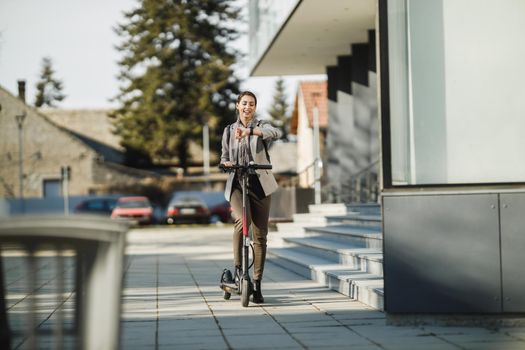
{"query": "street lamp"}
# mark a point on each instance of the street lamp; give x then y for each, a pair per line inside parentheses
(65, 175)
(20, 122)
(206, 151)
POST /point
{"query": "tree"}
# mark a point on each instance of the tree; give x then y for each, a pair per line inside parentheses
(176, 75)
(48, 88)
(279, 108)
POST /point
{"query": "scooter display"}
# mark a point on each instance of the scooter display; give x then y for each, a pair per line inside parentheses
(241, 283)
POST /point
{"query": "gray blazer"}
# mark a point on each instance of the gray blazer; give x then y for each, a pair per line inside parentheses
(230, 149)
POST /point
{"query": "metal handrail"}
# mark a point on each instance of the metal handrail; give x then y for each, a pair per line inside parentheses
(306, 168)
(293, 181)
(361, 187)
(365, 169)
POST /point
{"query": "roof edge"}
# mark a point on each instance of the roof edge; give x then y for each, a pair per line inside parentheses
(274, 39)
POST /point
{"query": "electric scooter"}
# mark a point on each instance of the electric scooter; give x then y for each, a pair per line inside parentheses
(241, 284)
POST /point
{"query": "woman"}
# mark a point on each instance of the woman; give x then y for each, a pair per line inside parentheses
(235, 150)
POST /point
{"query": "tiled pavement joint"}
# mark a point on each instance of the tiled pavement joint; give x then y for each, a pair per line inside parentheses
(284, 328)
(336, 320)
(208, 305)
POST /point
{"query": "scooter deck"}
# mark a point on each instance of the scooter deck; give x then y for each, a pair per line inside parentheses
(230, 288)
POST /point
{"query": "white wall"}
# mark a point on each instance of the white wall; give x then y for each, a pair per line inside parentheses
(345, 133)
(333, 170)
(485, 80)
(304, 145)
(457, 91)
(400, 131)
(365, 122)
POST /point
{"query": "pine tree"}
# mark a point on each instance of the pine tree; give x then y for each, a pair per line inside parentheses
(176, 74)
(279, 108)
(48, 88)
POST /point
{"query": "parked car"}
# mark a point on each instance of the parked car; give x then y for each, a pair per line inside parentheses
(220, 208)
(137, 209)
(97, 205)
(198, 207)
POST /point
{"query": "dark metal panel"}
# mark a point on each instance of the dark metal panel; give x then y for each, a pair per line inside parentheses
(344, 77)
(384, 88)
(332, 73)
(360, 62)
(512, 208)
(441, 254)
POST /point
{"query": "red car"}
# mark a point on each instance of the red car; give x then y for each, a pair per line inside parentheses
(136, 209)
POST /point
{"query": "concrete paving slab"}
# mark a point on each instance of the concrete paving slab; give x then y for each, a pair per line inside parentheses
(517, 345)
(263, 341)
(477, 338)
(343, 338)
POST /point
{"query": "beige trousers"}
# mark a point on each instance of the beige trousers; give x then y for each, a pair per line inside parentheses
(258, 212)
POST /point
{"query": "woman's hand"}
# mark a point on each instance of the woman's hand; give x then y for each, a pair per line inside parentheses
(241, 132)
(227, 164)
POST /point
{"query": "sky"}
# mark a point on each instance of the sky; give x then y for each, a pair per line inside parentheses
(78, 36)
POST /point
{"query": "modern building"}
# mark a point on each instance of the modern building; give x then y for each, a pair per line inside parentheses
(338, 39)
(443, 81)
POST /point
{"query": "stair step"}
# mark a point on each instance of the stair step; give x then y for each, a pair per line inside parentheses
(365, 208)
(355, 236)
(366, 288)
(294, 227)
(328, 208)
(356, 284)
(366, 259)
(309, 218)
(360, 220)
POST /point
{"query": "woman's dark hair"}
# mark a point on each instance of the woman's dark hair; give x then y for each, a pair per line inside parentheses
(247, 93)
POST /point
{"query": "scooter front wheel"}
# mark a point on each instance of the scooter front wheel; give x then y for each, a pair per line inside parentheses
(245, 293)
(226, 295)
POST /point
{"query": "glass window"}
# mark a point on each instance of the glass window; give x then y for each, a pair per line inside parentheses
(95, 204)
(266, 18)
(456, 89)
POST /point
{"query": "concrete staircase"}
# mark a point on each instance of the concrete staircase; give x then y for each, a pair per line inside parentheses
(338, 246)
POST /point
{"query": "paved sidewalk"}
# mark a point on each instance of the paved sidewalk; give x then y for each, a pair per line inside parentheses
(172, 301)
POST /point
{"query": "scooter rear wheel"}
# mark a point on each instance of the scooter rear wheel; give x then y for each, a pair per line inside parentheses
(245, 293)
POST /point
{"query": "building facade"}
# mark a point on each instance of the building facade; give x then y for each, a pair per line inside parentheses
(443, 81)
(337, 39)
(45, 147)
(310, 102)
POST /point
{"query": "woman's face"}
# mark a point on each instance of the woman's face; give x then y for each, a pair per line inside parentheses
(246, 107)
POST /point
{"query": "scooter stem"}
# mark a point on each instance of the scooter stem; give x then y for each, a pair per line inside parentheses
(244, 210)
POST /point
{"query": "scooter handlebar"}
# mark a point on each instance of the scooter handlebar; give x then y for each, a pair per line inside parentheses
(251, 165)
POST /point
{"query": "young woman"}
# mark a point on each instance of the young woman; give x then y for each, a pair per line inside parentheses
(236, 150)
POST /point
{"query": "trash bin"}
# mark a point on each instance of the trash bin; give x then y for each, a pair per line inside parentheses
(79, 261)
